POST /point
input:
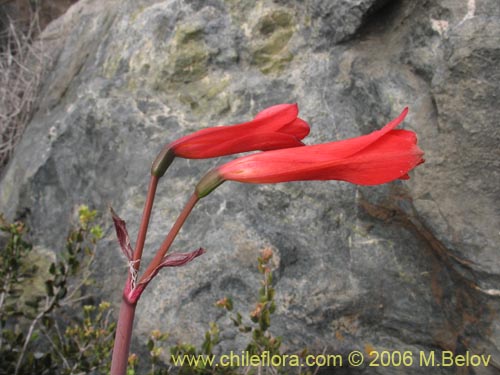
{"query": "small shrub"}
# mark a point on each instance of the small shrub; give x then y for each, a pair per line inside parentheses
(51, 331)
(39, 332)
(255, 328)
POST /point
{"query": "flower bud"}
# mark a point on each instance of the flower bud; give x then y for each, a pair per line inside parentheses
(162, 161)
(209, 183)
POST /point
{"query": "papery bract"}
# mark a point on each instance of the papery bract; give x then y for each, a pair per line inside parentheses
(122, 234)
(174, 260)
(276, 127)
(133, 291)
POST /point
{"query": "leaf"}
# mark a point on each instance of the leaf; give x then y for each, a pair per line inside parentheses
(96, 231)
(49, 288)
(151, 344)
(122, 234)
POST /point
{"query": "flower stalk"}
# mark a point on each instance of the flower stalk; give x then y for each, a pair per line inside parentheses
(165, 246)
(382, 156)
(143, 228)
(133, 289)
(123, 336)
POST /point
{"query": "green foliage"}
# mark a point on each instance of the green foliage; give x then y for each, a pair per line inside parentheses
(36, 335)
(262, 340)
(53, 332)
(87, 345)
(200, 367)
(255, 328)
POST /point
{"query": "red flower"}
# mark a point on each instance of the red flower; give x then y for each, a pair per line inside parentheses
(382, 156)
(274, 128)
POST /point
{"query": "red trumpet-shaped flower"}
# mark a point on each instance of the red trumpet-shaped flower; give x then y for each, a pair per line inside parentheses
(274, 128)
(382, 156)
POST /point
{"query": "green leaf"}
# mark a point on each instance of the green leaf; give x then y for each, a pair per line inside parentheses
(272, 307)
(265, 320)
(270, 294)
(97, 232)
(49, 288)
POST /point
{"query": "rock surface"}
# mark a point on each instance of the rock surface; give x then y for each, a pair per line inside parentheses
(411, 265)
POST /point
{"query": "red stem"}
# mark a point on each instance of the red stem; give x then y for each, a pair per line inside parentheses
(123, 336)
(146, 214)
(170, 237)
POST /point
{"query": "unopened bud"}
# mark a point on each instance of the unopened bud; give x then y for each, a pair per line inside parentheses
(156, 334)
(256, 313)
(266, 254)
(133, 359)
(209, 183)
(226, 303)
(162, 161)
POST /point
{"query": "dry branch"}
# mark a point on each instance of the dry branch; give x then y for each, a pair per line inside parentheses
(21, 65)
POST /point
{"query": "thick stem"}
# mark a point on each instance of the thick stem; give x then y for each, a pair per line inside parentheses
(146, 215)
(127, 310)
(170, 237)
(123, 337)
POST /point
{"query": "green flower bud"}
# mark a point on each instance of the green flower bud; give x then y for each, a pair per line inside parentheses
(162, 161)
(209, 183)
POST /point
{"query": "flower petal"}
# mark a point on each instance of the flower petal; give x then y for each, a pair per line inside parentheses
(298, 128)
(195, 145)
(376, 158)
(388, 159)
(347, 147)
(259, 141)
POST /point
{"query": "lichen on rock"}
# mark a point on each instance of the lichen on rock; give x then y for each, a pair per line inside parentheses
(188, 55)
(270, 37)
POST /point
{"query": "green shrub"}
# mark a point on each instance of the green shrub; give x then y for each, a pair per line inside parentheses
(39, 330)
(52, 331)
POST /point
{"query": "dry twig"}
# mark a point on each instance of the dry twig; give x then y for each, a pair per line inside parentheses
(21, 66)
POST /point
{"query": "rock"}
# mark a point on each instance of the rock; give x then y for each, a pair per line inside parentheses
(407, 266)
(335, 22)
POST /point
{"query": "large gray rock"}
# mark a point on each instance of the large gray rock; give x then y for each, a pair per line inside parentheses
(410, 265)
